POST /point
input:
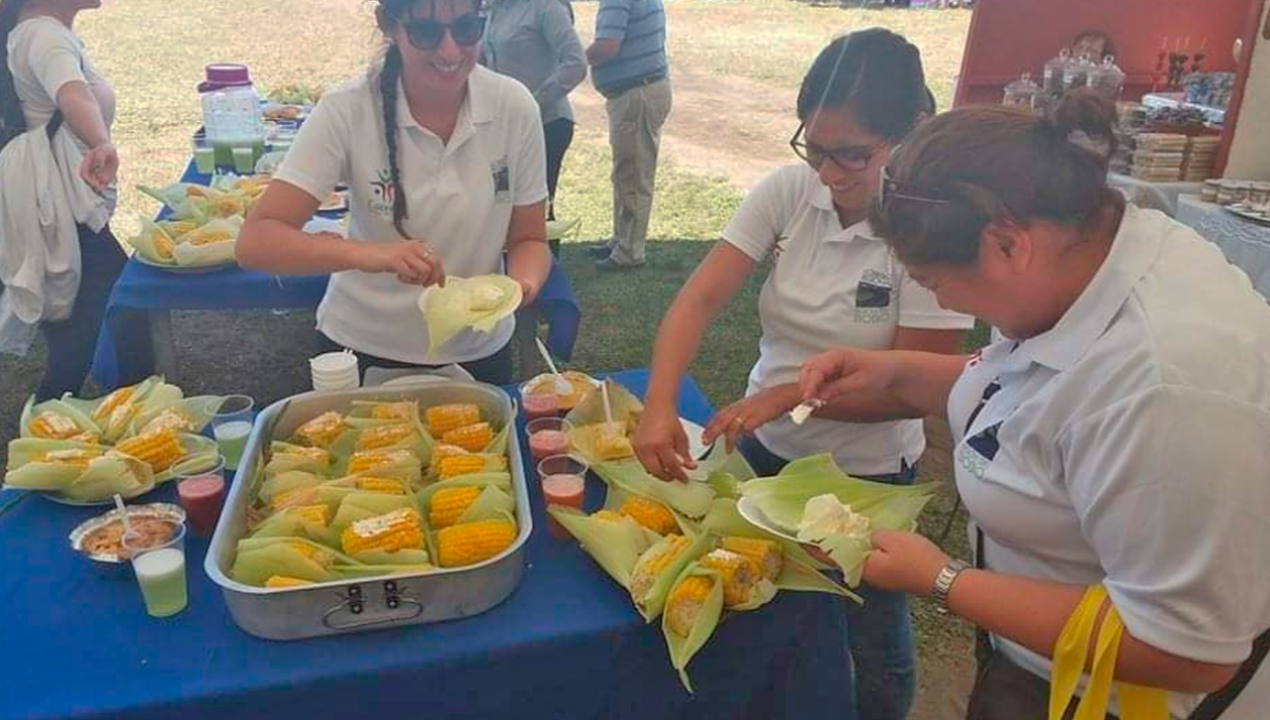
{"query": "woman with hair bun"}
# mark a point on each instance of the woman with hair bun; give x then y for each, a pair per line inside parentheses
(446, 170)
(1118, 436)
(832, 282)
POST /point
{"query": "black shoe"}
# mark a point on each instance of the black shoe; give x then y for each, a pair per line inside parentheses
(600, 251)
(608, 264)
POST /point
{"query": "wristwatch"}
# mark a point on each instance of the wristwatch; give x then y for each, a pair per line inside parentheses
(944, 582)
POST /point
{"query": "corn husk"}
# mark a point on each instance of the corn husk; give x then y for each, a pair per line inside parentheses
(201, 453)
(691, 499)
(103, 476)
(893, 507)
(285, 457)
(154, 244)
(615, 497)
(112, 474)
(478, 303)
(115, 426)
(799, 572)
(258, 559)
(683, 649)
(602, 442)
(626, 408)
(31, 410)
(284, 524)
(615, 545)
(410, 557)
(653, 601)
(182, 198)
(189, 415)
(723, 470)
(287, 481)
(361, 505)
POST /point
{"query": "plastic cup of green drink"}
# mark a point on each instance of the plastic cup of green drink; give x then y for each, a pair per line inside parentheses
(160, 570)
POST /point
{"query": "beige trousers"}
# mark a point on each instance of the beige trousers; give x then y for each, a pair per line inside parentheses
(635, 121)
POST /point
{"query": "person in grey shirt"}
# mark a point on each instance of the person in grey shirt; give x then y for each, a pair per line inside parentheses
(534, 42)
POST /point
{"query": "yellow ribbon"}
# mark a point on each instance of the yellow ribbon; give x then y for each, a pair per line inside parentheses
(1137, 702)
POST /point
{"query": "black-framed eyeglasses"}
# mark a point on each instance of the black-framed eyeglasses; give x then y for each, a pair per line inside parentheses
(427, 34)
(891, 190)
(849, 159)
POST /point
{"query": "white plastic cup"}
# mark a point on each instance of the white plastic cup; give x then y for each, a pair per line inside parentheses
(335, 371)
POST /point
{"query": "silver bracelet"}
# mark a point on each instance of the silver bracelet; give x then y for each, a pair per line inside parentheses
(944, 582)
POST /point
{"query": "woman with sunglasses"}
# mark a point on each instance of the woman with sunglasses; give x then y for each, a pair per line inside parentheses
(832, 282)
(445, 166)
(1118, 436)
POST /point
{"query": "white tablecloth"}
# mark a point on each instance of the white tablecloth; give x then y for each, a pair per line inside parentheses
(1245, 243)
(1153, 195)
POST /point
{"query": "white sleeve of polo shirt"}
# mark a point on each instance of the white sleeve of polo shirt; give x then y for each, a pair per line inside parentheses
(1170, 486)
(54, 58)
(318, 158)
(920, 310)
(761, 219)
(529, 167)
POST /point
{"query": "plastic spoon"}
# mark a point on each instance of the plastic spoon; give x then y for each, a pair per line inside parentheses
(804, 410)
(123, 513)
(562, 386)
(608, 409)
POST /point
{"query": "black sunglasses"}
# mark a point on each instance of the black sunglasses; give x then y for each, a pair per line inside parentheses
(850, 159)
(427, 34)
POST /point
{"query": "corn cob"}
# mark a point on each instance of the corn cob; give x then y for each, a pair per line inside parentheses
(178, 228)
(444, 418)
(404, 410)
(607, 515)
(170, 419)
(87, 437)
(388, 486)
(282, 581)
(318, 455)
(293, 497)
(468, 464)
(79, 457)
(683, 606)
(111, 402)
(654, 561)
(383, 436)
(319, 513)
(449, 504)
(470, 543)
(321, 430)
(164, 246)
(611, 442)
(649, 513)
(473, 438)
(321, 557)
(159, 449)
(441, 452)
(53, 426)
(369, 460)
(739, 575)
(390, 532)
(766, 553)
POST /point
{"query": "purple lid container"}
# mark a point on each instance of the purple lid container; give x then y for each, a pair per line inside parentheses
(222, 75)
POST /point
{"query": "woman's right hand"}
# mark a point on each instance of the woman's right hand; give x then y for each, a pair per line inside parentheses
(845, 371)
(662, 445)
(410, 260)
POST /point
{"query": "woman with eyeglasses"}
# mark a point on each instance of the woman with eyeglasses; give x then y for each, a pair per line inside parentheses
(1118, 436)
(831, 282)
(445, 166)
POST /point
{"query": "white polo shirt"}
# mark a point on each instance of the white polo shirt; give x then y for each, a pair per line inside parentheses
(829, 287)
(1130, 445)
(459, 196)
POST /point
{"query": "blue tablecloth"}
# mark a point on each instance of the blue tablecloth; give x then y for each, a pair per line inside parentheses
(566, 644)
(146, 287)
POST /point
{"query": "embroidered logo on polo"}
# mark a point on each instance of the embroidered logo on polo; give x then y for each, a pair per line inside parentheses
(873, 298)
(382, 193)
(502, 180)
(978, 451)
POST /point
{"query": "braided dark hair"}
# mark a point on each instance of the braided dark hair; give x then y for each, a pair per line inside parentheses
(875, 73)
(12, 121)
(388, 77)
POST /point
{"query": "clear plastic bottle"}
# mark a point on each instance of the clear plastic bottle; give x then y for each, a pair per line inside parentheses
(1107, 79)
(1022, 92)
(231, 112)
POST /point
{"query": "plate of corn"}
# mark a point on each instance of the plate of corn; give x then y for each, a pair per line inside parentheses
(83, 452)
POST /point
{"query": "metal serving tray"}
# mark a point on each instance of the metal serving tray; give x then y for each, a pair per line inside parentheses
(366, 603)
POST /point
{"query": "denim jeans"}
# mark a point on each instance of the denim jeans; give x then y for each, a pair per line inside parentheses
(880, 630)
